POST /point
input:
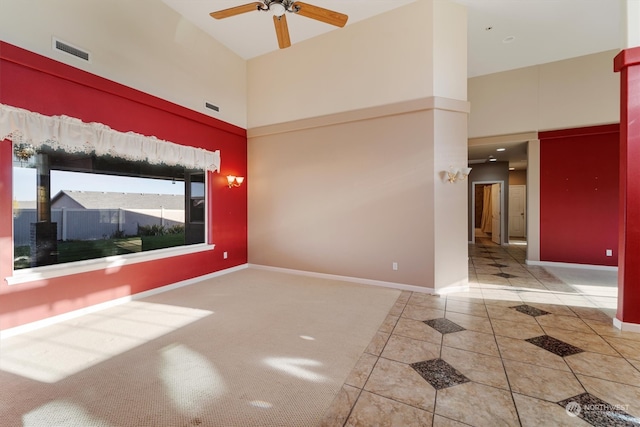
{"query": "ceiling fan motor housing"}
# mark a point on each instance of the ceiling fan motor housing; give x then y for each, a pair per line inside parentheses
(278, 8)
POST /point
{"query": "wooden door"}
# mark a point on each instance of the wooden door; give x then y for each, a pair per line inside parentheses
(517, 211)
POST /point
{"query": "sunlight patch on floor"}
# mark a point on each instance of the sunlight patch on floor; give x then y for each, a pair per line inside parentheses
(53, 353)
(298, 367)
(190, 379)
(58, 413)
(597, 291)
(260, 404)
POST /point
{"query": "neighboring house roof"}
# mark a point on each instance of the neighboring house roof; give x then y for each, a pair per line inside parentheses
(108, 200)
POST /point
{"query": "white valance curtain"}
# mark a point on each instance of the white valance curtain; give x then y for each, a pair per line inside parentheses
(74, 136)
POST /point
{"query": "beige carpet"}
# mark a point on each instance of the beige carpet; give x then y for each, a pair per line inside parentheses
(251, 348)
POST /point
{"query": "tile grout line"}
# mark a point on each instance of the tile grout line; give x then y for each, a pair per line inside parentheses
(504, 368)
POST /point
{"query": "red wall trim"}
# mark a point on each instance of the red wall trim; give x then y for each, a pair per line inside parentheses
(48, 87)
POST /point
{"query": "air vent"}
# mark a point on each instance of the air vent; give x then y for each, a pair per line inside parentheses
(70, 50)
(211, 106)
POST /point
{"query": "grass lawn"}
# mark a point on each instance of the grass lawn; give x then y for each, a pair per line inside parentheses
(91, 249)
(158, 242)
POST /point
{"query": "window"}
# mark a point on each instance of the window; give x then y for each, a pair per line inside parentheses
(84, 191)
(72, 207)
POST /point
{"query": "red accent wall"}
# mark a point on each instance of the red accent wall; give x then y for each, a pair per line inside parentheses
(48, 87)
(579, 193)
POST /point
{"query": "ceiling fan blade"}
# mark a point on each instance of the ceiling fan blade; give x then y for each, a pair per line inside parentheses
(237, 10)
(321, 14)
(282, 31)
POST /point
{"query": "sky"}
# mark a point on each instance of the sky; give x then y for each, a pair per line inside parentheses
(24, 183)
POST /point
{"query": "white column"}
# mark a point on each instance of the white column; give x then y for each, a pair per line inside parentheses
(631, 23)
(533, 200)
(450, 202)
(449, 139)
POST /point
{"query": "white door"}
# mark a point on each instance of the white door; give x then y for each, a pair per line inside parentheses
(517, 211)
(495, 214)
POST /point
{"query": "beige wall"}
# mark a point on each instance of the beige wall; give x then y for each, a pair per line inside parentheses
(518, 177)
(143, 44)
(349, 194)
(351, 198)
(576, 92)
(355, 67)
(631, 17)
(450, 38)
(347, 147)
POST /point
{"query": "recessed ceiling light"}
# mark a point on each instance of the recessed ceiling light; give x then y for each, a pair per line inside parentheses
(500, 149)
(508, 39)
(512, 169)
(493, 160)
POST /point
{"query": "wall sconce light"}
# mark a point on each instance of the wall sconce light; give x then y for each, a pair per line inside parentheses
(460, 174)
(235, 181)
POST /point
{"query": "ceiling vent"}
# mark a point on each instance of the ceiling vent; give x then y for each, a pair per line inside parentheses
(71, 50)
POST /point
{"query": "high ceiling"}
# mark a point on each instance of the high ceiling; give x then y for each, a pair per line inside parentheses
(540, 30)
(252, 34)
(502, 34)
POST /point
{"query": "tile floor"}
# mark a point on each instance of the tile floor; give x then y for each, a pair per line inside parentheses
(521, 348)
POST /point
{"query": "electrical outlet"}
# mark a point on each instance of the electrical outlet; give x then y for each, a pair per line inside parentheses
(609, 252)
(394, 265)
(224, 255)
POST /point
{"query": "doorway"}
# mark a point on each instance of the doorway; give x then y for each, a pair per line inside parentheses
(487, 219)
(517, 212)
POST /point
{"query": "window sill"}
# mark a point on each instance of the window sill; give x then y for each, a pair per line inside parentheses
(69, 268)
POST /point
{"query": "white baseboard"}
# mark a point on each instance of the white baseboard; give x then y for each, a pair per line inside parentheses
(112, 303)
(393, 285)
(624, 326)
(571, 265)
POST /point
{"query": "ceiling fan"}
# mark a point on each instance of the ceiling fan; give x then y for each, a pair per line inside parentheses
(278, 8)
